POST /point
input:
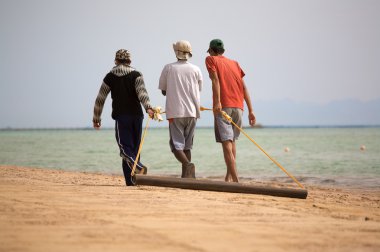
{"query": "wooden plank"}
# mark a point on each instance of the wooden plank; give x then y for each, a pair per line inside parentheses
(219, 186)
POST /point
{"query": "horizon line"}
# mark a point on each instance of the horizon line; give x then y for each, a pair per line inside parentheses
(201, 127)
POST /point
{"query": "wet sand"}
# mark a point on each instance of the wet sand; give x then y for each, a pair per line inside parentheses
(52, 210)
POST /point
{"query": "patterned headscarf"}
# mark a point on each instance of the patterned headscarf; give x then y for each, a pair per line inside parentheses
(122, 54)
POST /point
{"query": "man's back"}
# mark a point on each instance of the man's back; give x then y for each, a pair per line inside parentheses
(230, 77)
(122, 82)
(182, 82)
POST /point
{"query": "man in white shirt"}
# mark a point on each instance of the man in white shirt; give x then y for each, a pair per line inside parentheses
(181, 83)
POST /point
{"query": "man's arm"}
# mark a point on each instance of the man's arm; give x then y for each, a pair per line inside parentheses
(99, 104)
(247, 98)
(143, 96)
(162, 84)
(215, 92)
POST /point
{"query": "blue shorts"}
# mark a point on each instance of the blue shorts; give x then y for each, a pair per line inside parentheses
(224, 130)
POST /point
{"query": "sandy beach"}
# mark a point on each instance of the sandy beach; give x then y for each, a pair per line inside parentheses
(52, 210)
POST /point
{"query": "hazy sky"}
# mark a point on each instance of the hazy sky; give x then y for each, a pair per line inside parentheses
(54, 54)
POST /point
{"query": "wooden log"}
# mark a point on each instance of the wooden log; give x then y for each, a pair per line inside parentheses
(219, 186)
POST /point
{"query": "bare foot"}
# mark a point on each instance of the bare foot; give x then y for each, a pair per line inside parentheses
(228, 178)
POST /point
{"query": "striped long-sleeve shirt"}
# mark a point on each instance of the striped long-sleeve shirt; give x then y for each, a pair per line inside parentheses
(127, 89)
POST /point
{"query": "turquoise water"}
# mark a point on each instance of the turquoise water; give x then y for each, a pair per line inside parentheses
(317, 155)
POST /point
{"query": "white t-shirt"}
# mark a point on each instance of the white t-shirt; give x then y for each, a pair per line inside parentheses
(182, 82)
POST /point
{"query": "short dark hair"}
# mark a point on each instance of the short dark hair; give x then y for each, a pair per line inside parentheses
(217, 50)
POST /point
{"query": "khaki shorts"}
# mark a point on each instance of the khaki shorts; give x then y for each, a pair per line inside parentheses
(224, 130)
(182, 133)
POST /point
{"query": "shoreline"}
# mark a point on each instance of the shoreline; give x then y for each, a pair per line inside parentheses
(367, 183)
(54, 210)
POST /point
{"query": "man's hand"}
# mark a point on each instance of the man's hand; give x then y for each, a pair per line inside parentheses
(251, 118)
(97, 125)
(217, 108)
(150, 112)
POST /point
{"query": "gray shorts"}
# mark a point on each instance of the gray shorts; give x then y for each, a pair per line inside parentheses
(182, 133)
(224, 130)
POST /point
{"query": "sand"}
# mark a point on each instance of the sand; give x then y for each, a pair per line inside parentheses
(52, 210)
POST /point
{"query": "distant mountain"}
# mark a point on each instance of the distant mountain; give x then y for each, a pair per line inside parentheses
(344, 113)
(290, 113)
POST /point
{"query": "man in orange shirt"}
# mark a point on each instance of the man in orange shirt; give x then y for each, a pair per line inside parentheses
(229, 92)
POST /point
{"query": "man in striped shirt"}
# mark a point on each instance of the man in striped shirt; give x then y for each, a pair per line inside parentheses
(128, 92)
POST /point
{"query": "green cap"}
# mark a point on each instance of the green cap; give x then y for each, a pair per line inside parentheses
(216, 43)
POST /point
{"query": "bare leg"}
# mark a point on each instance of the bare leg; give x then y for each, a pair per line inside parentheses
(188, 154)
(181, 156)
(234, 149)
(229, 151)
(192, 167)
(188, 168)
(228, 177)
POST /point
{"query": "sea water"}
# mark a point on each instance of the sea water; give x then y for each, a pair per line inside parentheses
(328, 156)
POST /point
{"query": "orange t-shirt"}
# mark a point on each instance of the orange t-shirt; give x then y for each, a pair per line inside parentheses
(230, 79)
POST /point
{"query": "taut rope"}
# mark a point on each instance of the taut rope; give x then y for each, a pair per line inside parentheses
(228, 118)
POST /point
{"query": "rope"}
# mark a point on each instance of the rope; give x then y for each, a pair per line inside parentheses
(140, 147)
(228, 118)
(156, 117)
(157, 114)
